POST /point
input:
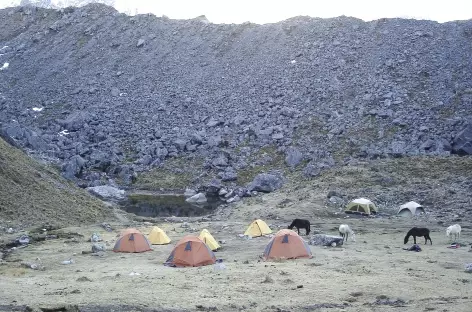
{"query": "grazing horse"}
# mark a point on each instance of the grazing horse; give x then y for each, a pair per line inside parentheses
(345, 231)
(300, 224)
(418, 232)
(454, 230)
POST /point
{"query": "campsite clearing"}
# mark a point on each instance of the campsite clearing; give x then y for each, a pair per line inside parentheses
(374, 274)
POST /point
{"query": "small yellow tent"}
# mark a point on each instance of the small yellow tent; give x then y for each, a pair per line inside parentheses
(258, 228)
(209, 240)
(158, 236)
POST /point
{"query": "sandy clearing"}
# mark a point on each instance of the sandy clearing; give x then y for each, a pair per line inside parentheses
(374, 267)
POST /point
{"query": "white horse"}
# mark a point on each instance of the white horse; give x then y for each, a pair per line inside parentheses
(454, 230)
(345, 231)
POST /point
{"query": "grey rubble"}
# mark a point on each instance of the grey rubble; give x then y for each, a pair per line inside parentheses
(123, 94)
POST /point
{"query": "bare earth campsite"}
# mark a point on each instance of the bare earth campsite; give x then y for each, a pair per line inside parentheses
(372, 274)
(188, 163)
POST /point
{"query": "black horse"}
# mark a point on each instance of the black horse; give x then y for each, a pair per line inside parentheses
(300, 224)
(418, 232)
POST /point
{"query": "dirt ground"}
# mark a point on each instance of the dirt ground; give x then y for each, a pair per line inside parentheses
(372, 274)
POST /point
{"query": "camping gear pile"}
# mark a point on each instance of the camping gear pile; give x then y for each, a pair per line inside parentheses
(415, 247)
(326, 240)
(468, 267)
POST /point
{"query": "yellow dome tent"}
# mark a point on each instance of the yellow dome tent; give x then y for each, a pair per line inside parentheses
(258, 228)
(209, 240)
(158, 236)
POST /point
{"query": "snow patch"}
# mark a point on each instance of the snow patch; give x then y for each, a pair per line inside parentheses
(293, 61)
(38, 109)
(5, 66)
(63, 132)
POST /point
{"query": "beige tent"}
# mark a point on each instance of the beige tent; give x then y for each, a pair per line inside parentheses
(410, 209)
(209, 240)
(362, 206)
(158, 236)
(258, 228)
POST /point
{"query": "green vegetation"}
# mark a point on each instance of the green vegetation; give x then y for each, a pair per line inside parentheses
(168, 178)
(276, 162)
(82, 41)
(401, 172)
(32, 193)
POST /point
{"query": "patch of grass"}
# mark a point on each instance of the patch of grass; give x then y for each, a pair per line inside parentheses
(176, 174)
(385, 174)
(424, 167)
(82, 41)
(391, 131)
(312, 128)
(32, 193)
(277, 161)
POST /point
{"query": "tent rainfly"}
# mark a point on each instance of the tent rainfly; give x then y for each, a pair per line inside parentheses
(209, 240)
(190, 251)
(362, 206)
(258, 228)
(410, 209)
(158, 236)
(132, 240)
(287, 244)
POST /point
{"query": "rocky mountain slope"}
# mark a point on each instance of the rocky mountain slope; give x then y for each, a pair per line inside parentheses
(56, 4)
(32, 193)
(107, 95)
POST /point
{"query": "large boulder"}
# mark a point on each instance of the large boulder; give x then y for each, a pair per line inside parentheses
(73, 168)
(4, 135)
(189, 193)
(462, 143)
(212, 188)
(325, 240)
(311, 170)
(75, 121)
(98, 248)
(228, 175)
(34, 141)
(293, 157)
(266, 183)
(197, 198)
(107, 192)
(126, 174)
(100, 160)
(220, 161)
(13, 131)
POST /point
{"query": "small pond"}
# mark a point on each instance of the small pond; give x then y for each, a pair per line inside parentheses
(152, 205)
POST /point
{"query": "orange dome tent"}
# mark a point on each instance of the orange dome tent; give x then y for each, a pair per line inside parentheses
(287, 244)
(132, 240)
(190, 251)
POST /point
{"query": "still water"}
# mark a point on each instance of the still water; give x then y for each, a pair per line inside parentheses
(147, 205)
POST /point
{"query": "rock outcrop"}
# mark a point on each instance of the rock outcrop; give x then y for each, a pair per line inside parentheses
(110, 95)
(462, 143)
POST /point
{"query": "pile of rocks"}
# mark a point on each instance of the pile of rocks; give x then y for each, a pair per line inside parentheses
(135, 91)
